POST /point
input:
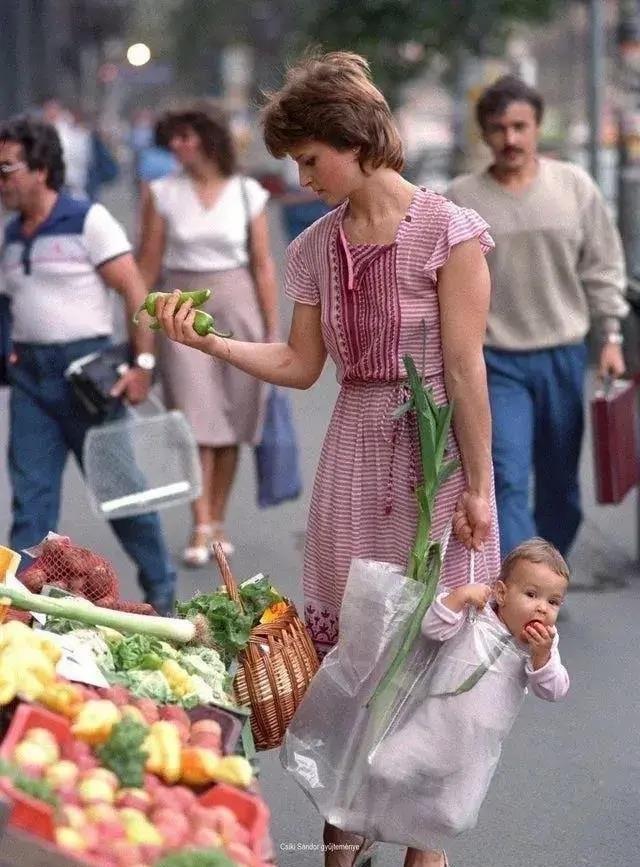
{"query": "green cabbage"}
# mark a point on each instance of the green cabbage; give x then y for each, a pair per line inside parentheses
(150, 684)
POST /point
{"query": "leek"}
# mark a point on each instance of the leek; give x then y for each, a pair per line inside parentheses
(69, 608)
(425, 559)
(425, 562)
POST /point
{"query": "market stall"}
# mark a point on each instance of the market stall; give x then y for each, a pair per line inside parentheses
(128, 739)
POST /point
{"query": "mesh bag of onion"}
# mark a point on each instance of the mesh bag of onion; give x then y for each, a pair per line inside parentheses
(60, 563)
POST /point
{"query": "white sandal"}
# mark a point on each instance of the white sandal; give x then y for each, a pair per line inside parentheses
(199, 555)
(228, 548)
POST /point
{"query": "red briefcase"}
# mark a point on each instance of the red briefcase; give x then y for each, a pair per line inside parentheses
(615, 441)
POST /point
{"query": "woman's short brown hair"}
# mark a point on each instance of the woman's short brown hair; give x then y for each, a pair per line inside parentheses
(206, 118)
(331, 98)
(535, 550)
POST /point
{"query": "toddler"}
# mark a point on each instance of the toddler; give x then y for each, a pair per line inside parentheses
(437, 759)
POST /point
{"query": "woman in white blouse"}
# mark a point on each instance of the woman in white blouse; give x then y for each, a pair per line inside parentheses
(206, 227)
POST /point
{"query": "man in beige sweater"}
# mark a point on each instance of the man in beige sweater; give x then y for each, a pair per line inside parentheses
(556, 271)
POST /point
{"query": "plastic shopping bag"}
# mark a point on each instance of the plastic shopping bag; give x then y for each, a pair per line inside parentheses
(276, 458)
(416, 771)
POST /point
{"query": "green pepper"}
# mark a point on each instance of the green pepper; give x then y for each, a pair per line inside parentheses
(197, 296)
(204, 324)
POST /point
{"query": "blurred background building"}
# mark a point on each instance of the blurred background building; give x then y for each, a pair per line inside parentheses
(431, 59)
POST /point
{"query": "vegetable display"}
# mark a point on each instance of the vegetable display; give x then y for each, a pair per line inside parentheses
(229, 627)
(152, 668)
(101, 819)
(70, 608)
(27, 662)
(40, 789)
(123, 752)
(129, 777)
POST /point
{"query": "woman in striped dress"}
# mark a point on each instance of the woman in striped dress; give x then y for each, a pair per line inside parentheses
(393, 269)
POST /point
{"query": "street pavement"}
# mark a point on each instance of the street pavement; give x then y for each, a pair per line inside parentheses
(566, 791)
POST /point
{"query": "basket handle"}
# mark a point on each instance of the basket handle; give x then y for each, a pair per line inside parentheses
(227, 576)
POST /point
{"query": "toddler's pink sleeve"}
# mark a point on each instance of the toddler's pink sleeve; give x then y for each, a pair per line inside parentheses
(441, 623)
(551, 682)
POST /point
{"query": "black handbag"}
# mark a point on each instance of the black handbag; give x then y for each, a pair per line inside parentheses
(93, 376)
(5, 337)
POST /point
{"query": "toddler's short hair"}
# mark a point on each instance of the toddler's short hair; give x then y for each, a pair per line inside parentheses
(535, 550)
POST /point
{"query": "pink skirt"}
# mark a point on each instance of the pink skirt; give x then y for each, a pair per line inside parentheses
(223, 405)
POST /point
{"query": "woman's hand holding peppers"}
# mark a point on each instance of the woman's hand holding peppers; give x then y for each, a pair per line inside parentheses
(178, 324)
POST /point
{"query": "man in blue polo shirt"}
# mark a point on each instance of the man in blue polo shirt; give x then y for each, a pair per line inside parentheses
(60, 257)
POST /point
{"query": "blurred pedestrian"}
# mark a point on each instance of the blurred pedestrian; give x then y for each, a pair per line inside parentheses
(76, 146)
(556, 271)
(103, 166)
(153, 161)
(206, 227)
(392, 269)
(60, 257)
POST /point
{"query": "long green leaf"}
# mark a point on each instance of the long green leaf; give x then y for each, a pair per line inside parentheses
(447, 470)
(444, 432)
(479, 672)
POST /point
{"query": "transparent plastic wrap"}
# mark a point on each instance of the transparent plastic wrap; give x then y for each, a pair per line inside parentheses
(414, 767)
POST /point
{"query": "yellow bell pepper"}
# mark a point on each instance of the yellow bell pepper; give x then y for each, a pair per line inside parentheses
(51, 650)
(30, 687)
(177, 677)
(15, 632)
(234, 770)
(95, 720)
(164, 748)
(198, 766)
(29, 659)
(63, 698)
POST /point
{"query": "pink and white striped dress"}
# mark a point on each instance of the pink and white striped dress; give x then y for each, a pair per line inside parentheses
(374, 302)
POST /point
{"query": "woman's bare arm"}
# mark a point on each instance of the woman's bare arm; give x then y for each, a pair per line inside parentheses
(297, 363)
(152, 242)
(464, 288)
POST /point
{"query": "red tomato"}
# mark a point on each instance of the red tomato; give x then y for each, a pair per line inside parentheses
(525, 637)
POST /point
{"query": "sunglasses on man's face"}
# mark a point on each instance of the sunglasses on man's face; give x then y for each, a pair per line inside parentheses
(7, 169)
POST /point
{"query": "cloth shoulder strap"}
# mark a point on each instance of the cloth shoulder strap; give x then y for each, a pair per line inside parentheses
(247, 213)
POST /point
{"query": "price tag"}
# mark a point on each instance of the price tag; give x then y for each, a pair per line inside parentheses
(77, 662)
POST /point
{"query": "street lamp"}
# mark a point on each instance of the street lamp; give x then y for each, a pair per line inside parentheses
(138, 54)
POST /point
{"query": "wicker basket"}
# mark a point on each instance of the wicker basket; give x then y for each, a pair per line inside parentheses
(275, 669)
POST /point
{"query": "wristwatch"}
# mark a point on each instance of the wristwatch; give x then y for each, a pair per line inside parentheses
(145, 361)
(614, 337)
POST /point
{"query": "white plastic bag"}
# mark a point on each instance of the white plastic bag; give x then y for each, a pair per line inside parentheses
(417, 773)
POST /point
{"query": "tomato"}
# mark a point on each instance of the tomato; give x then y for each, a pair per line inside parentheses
(525, 637)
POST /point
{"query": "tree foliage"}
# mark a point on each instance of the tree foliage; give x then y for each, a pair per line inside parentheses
(399, 37)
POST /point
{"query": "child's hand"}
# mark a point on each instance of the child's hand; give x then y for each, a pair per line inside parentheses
(540, 639)
(469, 594)
(477, 595)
